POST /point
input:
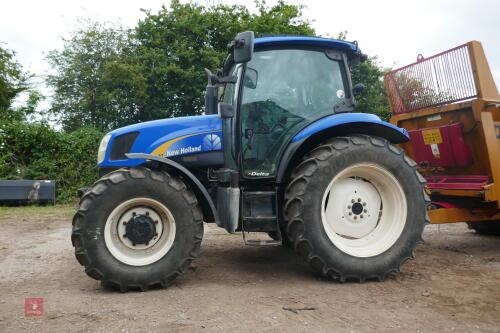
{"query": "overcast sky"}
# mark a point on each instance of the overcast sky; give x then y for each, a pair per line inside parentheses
(395, 31)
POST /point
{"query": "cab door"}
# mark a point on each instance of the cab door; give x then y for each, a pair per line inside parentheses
(230, 95)
(283, 91)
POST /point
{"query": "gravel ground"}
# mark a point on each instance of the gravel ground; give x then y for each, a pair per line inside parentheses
(453, 286)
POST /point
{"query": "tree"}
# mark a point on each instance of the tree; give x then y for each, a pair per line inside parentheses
(371, 74)
(13, 82)
(93, 84)
(109, 77)
(374, 97)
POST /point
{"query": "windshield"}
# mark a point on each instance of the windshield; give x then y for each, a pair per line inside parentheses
(303, 82)
(283, 91)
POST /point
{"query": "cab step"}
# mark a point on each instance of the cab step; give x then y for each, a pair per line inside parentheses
(257, 242)
(259, 215)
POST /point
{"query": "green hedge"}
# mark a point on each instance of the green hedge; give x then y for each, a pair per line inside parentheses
(36, 151)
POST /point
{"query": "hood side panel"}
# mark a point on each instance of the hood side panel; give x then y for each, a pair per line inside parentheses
(169, 138)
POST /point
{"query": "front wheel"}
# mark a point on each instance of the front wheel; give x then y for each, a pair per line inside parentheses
(136, 229)
(356, 208)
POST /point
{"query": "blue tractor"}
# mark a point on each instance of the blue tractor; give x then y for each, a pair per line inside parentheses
(279, 151)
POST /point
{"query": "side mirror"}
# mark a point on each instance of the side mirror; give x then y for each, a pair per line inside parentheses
(251, 77)
(226, 110)
(210, 94)
(358, 89)
(242, 47)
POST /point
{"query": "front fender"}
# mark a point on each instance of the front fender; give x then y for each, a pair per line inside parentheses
(206, 202)
(343, 124)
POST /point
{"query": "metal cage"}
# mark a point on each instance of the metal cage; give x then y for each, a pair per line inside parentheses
(444, 78)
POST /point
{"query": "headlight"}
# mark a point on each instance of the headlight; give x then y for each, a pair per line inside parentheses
(102, 148)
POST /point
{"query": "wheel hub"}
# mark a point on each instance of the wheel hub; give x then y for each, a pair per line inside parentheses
(366, 210)
(140, 229)
(353, 208)
(357, 208)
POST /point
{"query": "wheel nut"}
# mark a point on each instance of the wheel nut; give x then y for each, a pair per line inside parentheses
(355, 217)
(147, 213)
(147, 243)
(156, 222)
(124, 222)
(124, 235)
(156, 234)
(364, 203)
(349, 207)
(350, 213)
(353, 201)
(359, 199)
(361, 216)
(365, 210)
(134, 213)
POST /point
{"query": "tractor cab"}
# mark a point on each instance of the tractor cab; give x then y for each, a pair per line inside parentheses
(268, 92)
(271, 88)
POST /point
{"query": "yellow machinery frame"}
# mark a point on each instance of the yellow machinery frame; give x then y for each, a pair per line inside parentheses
(480, 116)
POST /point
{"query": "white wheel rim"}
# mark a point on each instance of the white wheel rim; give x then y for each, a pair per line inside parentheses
(366, 210)
(123, 248)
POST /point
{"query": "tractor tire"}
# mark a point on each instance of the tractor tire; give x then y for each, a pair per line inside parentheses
(356, 208)
(487, 228)
(137, 229)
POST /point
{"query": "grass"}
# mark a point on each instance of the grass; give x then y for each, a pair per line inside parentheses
(63, 211)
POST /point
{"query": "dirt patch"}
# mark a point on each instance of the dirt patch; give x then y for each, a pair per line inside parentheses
(453, 286)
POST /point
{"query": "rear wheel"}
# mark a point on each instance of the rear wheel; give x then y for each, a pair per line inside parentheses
(137, 229)
(489, 228)
(356, 208)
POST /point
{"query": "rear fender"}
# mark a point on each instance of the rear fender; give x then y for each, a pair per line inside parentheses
(343, 124)
(204, 199)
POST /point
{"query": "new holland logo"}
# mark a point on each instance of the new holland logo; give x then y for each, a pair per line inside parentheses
(211, 142)
(182, 151)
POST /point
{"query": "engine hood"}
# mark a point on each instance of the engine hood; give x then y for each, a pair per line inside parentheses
(166, 138)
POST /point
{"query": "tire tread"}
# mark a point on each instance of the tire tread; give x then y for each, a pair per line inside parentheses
(294, 199)
(100, 187)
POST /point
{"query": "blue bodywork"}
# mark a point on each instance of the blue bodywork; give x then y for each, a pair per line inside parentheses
(183, 135)
(306, 41)
(202, 134)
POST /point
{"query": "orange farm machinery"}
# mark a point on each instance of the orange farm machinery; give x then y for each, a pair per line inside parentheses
(450, 106)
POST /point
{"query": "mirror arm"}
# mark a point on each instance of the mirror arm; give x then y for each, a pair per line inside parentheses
(225, 110)
(210, 98)
(215, 80)
(227, 79)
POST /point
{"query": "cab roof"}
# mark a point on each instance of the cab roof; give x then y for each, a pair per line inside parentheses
(306, 41)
